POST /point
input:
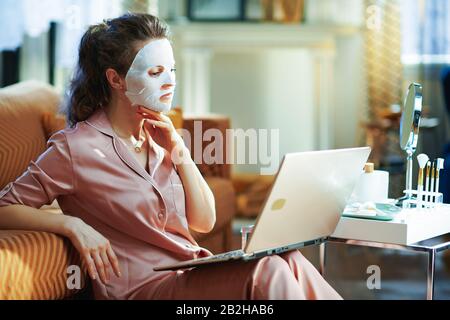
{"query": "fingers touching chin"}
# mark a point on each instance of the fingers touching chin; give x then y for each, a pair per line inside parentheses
(144, 109)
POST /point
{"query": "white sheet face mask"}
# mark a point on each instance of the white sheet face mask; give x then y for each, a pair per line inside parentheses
(143, 88)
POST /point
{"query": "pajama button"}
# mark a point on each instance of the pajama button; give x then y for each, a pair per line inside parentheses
(161, 213)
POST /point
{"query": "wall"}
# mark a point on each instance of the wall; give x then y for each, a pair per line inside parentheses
(350, 91)
(274, 89)
(269, 90)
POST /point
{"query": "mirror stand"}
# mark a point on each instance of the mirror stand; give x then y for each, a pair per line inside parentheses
(409, 168)
(409, 132)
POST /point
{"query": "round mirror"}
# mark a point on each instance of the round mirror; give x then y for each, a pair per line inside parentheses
(409, 125)
(409, 133)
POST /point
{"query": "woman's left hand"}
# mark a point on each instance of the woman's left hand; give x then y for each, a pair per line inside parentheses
(162, 129)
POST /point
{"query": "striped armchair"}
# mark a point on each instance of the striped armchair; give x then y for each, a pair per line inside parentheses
(33, 265)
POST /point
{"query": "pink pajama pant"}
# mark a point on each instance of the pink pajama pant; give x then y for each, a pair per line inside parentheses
(286, 276)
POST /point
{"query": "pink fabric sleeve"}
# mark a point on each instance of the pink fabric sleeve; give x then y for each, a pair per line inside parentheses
(50, 176)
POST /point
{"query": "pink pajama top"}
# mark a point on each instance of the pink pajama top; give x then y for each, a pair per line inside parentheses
(95, 177)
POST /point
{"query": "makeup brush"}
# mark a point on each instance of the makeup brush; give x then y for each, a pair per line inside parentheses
(439, 167)
(422, 159)
(433, 178)
(427, 180)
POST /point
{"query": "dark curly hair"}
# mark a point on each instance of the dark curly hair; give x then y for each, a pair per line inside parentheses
(111, 44)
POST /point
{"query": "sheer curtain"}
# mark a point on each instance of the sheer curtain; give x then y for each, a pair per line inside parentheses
(426, 31)
(426, 50)
(12, 27)
(26, 23)
(33, 17)
(78, 14)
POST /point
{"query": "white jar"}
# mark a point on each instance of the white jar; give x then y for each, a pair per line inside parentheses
(373, 185)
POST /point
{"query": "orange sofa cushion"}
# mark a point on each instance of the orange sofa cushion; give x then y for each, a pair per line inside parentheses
(33, 266)
(22, 137)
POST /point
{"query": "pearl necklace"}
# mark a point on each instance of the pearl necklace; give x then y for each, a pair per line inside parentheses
(137, 144)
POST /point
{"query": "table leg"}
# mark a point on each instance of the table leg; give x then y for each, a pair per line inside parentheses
(322, 257)
(430, 274)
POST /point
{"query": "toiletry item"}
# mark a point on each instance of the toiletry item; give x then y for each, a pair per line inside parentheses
(439, 167)
(422, 159)
(366, 209)
(433, 177)
(427, 180)
(373, 185)
(371, 210)
(388, 209)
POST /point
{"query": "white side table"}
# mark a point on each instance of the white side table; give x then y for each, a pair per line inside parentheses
(431, 247)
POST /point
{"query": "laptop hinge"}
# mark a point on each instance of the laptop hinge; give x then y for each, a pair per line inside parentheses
(267, 252)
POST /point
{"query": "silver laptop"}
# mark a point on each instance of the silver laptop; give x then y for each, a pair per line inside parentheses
(310, 191)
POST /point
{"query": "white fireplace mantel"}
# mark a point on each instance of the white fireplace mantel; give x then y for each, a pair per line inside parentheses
(196, 43)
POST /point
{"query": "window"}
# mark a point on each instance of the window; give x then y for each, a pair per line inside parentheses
(425, 31)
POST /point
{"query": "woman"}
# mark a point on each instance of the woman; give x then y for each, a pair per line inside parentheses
(128, 207)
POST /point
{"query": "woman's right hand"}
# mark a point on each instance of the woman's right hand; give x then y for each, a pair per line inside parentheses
(95, 250)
